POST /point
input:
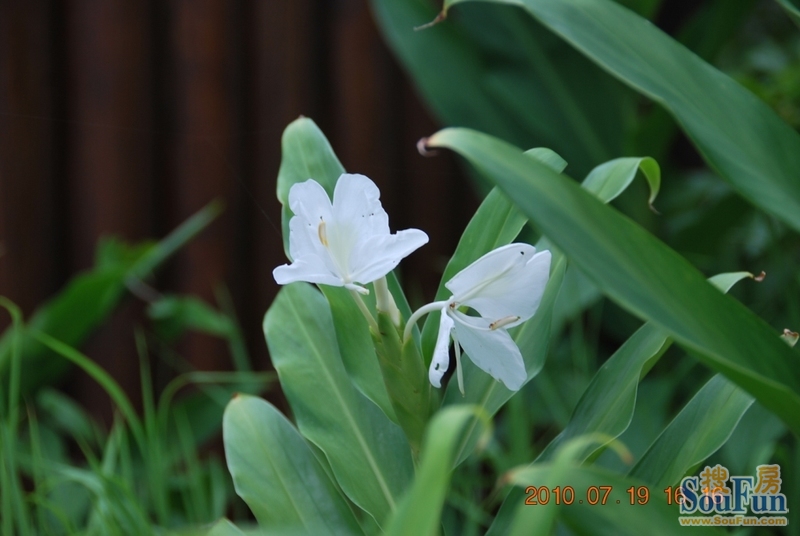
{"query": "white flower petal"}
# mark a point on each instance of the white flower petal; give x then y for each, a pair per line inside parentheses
(441, 353)
(506, 282)
(310, 269)
(495, 352)
(344, 242)
(356, 200)
(373, 259)
(304, 243)
(309, 200)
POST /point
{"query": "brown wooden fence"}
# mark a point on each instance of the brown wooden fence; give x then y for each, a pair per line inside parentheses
(125, 117)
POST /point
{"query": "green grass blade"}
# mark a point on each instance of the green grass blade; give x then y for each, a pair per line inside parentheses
(104, 379)
(91, 296)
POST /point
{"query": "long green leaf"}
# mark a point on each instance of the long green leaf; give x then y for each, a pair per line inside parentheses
(275, 472)
(737, 134)
(607, 405)
(641, 273)
(367, 452)
(497, 72)
(109, 385)
(698, 431)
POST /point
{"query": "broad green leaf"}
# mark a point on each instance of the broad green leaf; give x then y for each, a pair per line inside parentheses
(367, 452)
(607, 404)
(641, 273)
(90, 297)
(698, 431)
(497, 72)
(275, 472)
(356, 348)
(737, 134)
(617, 517)
(420, 509)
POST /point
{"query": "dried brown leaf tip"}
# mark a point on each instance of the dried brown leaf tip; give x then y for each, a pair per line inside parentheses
(760, 277)
(422, 147)
(790, 337)
(439, 18)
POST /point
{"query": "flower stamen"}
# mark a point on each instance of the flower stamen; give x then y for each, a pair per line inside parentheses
(497, 324)
(322, 234)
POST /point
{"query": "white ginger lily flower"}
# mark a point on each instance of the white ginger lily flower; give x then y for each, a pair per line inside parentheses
(504, 287)
(346, 242)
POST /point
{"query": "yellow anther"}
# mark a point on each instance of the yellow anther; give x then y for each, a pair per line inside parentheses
(323, 236)
(503, 322)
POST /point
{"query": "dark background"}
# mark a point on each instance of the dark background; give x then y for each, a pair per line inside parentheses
(127, 117)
